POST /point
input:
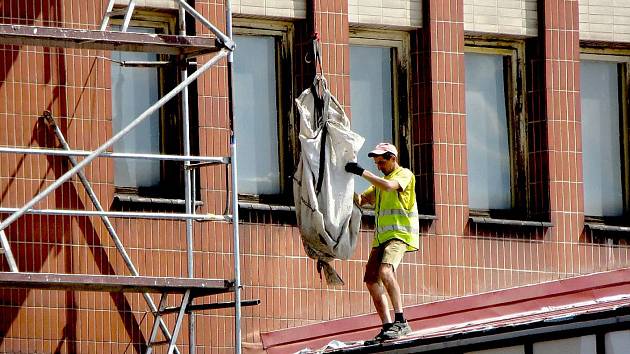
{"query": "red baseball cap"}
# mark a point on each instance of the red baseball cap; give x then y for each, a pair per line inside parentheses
(383, 148)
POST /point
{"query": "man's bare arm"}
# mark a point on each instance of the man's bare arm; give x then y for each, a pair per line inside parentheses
(381, 183)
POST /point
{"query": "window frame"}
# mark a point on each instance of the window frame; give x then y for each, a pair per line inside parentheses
(399, 44)
(283, 33)
(622, 58)
(513, 52)
(170, 125)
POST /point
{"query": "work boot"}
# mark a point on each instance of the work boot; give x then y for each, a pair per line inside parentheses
(397, 330)
(380, 336)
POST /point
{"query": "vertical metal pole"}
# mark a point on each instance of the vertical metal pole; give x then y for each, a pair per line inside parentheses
(128, 15)
(237, 260)
(187, 179)
(237, 256)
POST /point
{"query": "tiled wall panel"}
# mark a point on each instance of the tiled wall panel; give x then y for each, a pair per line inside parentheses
(271, 8)
(401, 13)
(456, 258)
(561, 58)
(383, 13)
(160, 4)
(605, 20)
(518, 17)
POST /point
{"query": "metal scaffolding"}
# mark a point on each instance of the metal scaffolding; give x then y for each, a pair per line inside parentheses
(184, 47)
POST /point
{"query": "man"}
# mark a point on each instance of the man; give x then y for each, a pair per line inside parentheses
(394, 199)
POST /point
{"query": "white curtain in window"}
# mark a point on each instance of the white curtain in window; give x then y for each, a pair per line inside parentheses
(601, 154)
(577, 345)
(487, 133)
(133, 91)
(617, 342)
(371, 100)
(256, 115)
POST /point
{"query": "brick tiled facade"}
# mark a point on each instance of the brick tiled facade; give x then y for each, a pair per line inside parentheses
(457, 257)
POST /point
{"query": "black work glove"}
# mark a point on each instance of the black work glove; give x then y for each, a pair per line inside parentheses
(354, 167)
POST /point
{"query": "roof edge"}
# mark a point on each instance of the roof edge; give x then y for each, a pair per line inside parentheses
(590, 286)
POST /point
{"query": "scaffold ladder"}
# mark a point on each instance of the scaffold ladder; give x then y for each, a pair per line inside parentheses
(110, 12)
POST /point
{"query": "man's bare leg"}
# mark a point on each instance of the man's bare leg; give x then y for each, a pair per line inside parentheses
(379, 297)
(386, 274)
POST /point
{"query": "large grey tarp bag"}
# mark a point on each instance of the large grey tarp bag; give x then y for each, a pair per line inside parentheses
(328, 219)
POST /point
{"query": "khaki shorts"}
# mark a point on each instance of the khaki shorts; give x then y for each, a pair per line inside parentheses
(390, 253)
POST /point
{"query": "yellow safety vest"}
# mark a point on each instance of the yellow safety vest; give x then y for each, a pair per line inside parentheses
(397, 213)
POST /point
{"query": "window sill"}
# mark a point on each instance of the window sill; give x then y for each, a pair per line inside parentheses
(484, 220)
(608, 228)
(265, 207)
(166, 202)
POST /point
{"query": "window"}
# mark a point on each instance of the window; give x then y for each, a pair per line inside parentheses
(495, 129)
(262, 110)
(617, 342)
(576, 345)
(605, 136)
(378, 93)
(135, 89)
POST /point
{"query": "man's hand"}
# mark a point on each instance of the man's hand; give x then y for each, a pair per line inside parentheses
(354, 167)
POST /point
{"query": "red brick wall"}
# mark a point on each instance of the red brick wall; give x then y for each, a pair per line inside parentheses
(565, 253)
(456, 258)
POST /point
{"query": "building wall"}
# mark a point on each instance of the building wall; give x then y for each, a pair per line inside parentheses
(509, 17)
(457, 256)
(605, 20)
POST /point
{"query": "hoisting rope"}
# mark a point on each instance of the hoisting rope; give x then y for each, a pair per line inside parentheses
(321, 97)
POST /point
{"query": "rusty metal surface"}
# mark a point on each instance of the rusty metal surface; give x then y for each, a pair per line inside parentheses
(113, 283)
(106, 40)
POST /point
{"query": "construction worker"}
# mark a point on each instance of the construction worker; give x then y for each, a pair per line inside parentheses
(394, 199)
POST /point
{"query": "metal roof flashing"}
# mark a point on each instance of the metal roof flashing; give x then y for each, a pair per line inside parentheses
(552, 307)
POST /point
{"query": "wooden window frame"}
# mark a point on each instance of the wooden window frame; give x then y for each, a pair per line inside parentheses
(399, 42)
(513, 52)
(283, 33)
(622, 58)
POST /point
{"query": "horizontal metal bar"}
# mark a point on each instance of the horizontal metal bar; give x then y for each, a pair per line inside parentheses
(214, 306)
(193, 166)
(113, 283)
(159, 343)
(142, 64)
(106, 40)
(121, 155)
(122, 214)
(117, 12)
